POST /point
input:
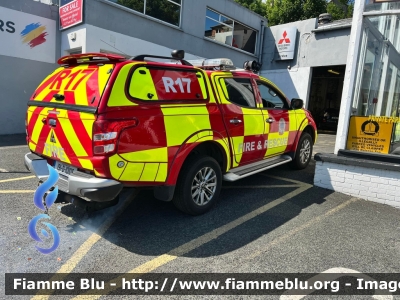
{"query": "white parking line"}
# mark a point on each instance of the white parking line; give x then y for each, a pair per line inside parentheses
(17, 191)
(261, 186)
(16, 179)
(199, 241)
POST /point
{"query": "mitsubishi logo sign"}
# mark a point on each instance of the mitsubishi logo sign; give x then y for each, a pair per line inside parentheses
(286, 42)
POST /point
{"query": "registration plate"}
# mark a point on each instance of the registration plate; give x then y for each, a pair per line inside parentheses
(64, 169)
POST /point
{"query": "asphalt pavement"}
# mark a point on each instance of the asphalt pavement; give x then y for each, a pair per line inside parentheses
(273, 222)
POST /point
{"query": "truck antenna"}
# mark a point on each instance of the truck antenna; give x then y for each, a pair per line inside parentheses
(114, 48)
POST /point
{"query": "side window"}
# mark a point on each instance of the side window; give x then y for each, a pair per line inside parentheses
(270, 97)
(167, 84)
(239, 91)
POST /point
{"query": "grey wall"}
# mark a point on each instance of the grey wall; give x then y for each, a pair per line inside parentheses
(20, 77)
(312, 48)
(191, 35)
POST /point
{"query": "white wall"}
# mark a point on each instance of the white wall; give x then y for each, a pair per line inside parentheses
(93, 39)
(380, 186)
(295, 83)
(27, 36)
(67, 43)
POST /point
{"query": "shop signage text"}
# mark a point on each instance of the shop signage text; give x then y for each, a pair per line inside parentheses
(286, 42)
(27, 36)
(71, 13)
(383, 119)
(368, 135)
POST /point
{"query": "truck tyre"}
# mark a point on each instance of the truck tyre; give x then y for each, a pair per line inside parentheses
(199, 184)
(303, 152)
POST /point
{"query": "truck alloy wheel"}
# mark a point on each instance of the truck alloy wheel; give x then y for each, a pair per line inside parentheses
(204, 186)
(303, 153)
(199, 185)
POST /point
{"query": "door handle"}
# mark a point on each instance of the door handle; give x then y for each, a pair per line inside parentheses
(235, 121)
(270, 120)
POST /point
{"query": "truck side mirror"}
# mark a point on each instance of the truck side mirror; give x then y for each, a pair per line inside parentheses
(297, 103)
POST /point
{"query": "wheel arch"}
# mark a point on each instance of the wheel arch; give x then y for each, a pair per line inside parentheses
(217, 149)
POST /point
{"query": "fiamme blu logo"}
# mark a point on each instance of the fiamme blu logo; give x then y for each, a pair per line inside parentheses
(44, 198)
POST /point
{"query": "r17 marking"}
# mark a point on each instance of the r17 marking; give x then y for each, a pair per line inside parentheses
(169, 84)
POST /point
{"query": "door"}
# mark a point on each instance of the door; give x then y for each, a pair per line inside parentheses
(243, 119)
(62, 110)
(280, 121)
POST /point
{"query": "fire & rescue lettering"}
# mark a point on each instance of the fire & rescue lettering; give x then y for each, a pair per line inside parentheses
(272, 143)
(54, 151)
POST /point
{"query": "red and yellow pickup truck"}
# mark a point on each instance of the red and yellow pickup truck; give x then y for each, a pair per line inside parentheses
(105, 122)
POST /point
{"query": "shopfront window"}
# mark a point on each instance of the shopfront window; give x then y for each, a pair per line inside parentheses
(375, 124)
(165, 10)
(225, 30)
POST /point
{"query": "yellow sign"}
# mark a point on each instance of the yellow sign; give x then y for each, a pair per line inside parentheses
(366, 134)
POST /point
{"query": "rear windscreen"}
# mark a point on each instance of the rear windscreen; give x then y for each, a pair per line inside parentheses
(80, 85)
(167, 84)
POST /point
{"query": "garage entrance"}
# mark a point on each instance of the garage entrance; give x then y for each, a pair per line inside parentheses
(325, 96)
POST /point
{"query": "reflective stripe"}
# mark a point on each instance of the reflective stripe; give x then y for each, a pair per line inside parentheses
(253, 124)
(86, 164)
(52, 148)
(118, 97)
(73, 140)
(87, 120)
(277, 143)
(202, 83)
(152, 155)
(113, 164)
(176, 133)
(37, 129)
(149, 173)
(162, 173)
(132, 172)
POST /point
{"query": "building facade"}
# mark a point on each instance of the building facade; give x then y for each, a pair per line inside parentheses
(204, 29)
(366, 160)
(315, 73)
(29, 47)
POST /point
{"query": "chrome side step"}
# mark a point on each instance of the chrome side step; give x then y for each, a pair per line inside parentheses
(254, 168)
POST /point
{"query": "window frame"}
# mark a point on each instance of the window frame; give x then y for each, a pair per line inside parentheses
(164, 102)
(280, 95)
(143, 12)
(227, 96)
(233, 29)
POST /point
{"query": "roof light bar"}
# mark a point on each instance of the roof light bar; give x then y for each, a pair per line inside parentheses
(214, 63)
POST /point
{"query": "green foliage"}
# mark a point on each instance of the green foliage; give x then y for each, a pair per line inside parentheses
(341, 9)
(257, 6)
(137, 5)
(286, 11)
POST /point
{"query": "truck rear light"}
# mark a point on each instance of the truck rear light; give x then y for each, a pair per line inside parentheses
(104, 149)
(105, 134)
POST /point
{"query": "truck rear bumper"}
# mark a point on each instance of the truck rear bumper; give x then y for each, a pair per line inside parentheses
(78, 183)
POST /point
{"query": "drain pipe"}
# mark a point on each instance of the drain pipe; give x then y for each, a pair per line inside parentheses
(261, 48)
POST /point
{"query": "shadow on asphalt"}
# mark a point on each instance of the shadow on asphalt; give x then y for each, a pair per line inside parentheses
(150, 227)
(13, 140)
